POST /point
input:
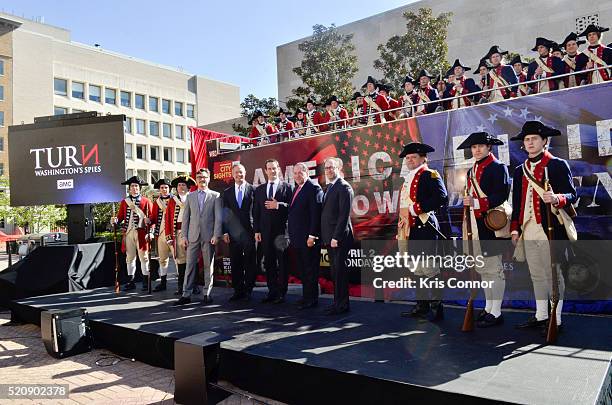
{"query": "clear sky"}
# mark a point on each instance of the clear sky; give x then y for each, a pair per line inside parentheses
(231, 41)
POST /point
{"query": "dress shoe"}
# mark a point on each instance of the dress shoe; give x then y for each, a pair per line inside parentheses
(481, 315)
(420, 310)
(532, 323)
(207, 300)
(490, 320)
(129, 286)
(182, 301)
(268, 299)
(145, 283)
(162, 285)
(237, 296)
(306, 305)
(436, 311)
(336, 311)
(279, 300)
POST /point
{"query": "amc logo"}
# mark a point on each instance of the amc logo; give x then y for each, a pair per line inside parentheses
(65, 184)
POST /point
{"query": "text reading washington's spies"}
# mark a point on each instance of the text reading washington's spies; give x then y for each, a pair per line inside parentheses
(61, 160)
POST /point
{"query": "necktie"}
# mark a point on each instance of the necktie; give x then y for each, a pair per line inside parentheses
(201, 196)
(328, 190)
(295, 195)
(239, 198)
(270, 191)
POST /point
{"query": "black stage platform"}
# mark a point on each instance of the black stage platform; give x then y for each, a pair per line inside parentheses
(370, 355)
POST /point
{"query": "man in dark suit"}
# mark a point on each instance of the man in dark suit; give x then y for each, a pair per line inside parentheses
(270, 225)
(304, 229)
(238, 232)
(337, 231)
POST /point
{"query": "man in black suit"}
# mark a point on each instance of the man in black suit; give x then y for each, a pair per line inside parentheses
(270, 225)
(337, 231)
(304, 230)
(238, 232)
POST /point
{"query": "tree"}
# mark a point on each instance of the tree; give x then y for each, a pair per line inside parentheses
(327, 68)
(249, 105)
(423, 46)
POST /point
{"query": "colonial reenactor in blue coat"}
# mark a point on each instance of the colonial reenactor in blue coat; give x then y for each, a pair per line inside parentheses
(529, 221)
(521, 76)
(595, 55)
(408, 99)
(543, 66)
(555, 50)
(460, 85)
(487, 187)
(426, 94)
(158, 218)
(422, 195)
(483, 79)
(570, 44)
(500, 75)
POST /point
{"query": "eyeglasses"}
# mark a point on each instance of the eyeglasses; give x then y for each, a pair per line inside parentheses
(330, 167)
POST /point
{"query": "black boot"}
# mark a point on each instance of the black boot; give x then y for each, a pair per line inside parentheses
(181, 278)
(436, 311)
(162, 285)
(130, 285)
(145, 283)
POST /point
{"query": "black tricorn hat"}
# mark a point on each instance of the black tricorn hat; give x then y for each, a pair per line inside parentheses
(479, 138)
(483, 62)
(555, 47)
(384, 87)
(457, 63)
(494, 49)
(161, 182)
(424, 72)
(592, 28)
(542, 41)
(311, 101)
(370, 80)
(332, 98)
(300, 110)
(535, 128)
(356, 95)
(188, 180)
(409, 79)
(572, 37)
(415, 147)
(517, 59)
(135, 180)
(280, 110)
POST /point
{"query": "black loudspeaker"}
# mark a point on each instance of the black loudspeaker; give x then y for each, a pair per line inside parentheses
(80, 223)
(65, 332)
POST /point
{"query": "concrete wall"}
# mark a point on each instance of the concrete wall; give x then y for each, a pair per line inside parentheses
(475, 27)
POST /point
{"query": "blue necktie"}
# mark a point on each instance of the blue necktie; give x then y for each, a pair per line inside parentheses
(239, 198)
(271, 191)
(328, 190)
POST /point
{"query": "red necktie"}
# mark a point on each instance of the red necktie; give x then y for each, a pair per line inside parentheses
(295, 195)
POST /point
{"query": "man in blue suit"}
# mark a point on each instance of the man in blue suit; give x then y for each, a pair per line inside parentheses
(304, 233)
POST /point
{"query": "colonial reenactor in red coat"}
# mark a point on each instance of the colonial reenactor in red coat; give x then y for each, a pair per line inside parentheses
(284, 126)
(529, 226)
(173, 226)
(521, 76)
(133, 217)
(544, 65)
(500, 75)
(374, 102)
(358, 117)
(393, 111)
(158, 216)
(555, 50)
(261, 129)
(595, 55)
(299, 123)
(408, 99)
(327, 116)
(571, 44)
(483, 73)
(337, 115)
(426, 94)
(460, 85)
(313, 119)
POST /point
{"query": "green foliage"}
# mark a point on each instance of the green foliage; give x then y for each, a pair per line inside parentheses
(249, 105)
(423, 46)
(327, 68)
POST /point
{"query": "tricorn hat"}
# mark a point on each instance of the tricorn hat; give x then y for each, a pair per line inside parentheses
(479, 138)
(415, 147)
(542, 41)
(188, 180)
(483, 62)
(424, 72)
(409, 79)
(494, 49)
(555, 47)
(356, 95)
(517, 59)
(384, 87)
(311, 101)
(535, 128)
(370, 80)
(135, 180)
(161, 182)
(300, 110)
(592, 28)
(572, 37)
(457, 63)
(281, 111)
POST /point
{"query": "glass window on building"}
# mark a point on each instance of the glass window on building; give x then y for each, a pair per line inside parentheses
(129, 173)
(178, 132)
(188, 135)
(139, 101)
(178, 108)
(95, 93)
(126, 99)
(78, 90)
(154, 152)
(60, 86)
(169, 175)
(167, 130)
(127, 125)
(76, 110)
(140, 127)
(153, 128)
(167, 154)
(1, 93)
(142, 173)
(190, 110)
(110, 96)
(1, 144)
(1, 67)
(180, 155)
(1, 169)
(154, 176)
(165, 106)
(128, 151)
(60, 110)
(1, 118)
(153, 104)
(141, 152)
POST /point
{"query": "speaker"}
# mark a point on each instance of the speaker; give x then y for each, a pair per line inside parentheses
(65, 332)
(80, 223)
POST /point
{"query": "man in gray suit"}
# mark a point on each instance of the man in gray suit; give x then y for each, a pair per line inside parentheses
(201, 227)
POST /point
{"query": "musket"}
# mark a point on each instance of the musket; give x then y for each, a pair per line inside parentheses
(116, 253)
(551, 336)
(468, 319)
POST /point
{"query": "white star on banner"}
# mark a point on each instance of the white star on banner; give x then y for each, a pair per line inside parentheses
(524, 113)
(492, 118)
(480, 128)
(508, 112)
(537, 118)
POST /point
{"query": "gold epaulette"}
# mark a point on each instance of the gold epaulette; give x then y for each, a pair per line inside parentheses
(434, 174)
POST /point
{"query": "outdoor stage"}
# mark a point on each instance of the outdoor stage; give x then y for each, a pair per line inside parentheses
(370, 355)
